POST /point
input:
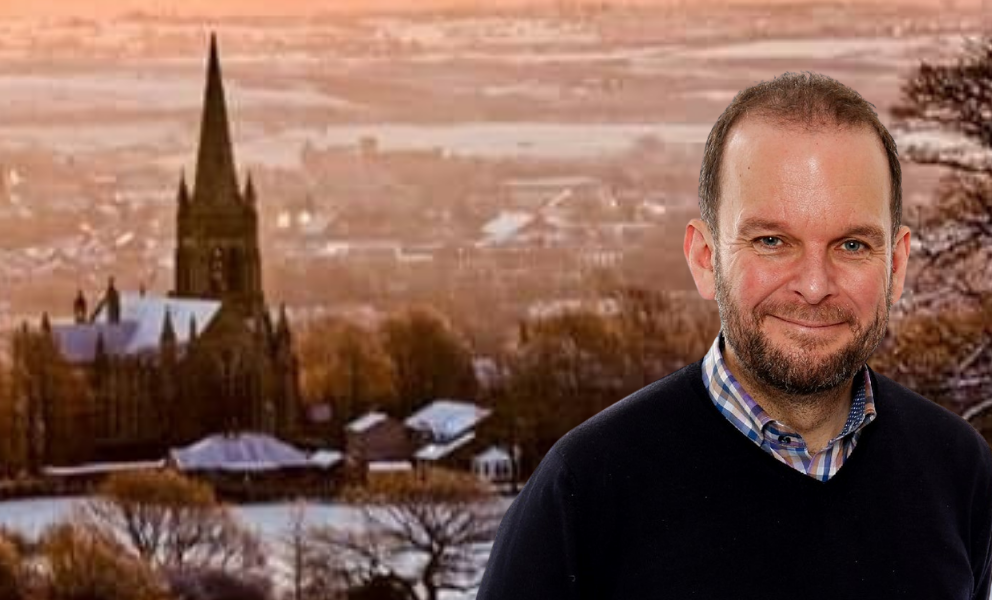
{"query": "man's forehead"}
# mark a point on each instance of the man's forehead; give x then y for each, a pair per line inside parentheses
(786, 173)
(756, 132)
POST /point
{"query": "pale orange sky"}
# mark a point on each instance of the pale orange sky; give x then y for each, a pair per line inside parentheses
(104, 8)
(107, 8)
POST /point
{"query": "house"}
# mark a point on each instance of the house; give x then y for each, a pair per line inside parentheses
(494, 464)
(255, 466)
(376, 441)
(241, 452)
(445, 433)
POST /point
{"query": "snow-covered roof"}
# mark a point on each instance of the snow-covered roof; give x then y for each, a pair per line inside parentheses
(77, 342)
(148, 311)
(447, 419)
(241, 452)
(547, 309)
(139, 329)
(366, 421)
(492, 454)
(102, 467)
(504, 227)
(438, 451)
(390, 465)
(326, 458)
(553, 181)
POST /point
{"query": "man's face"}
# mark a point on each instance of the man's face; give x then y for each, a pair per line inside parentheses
(803, 264)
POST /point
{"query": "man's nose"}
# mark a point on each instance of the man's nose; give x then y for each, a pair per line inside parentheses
(813, 276)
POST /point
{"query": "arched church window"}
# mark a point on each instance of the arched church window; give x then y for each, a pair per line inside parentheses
(217, 271)
(235, 270)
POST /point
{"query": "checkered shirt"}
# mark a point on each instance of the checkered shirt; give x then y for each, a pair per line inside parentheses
(777, 438)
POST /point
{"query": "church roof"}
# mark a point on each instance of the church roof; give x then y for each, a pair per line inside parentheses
(140, 328)
(77, 342)
(148, 311)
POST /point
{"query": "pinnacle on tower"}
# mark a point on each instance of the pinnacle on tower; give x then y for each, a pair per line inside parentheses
(79, 307)
(282, 325)
(249, 194)
(113, 299)
(216, 179)
(168, 332)
(183, 194)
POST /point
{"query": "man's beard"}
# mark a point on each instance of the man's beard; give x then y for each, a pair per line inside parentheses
(797, 372)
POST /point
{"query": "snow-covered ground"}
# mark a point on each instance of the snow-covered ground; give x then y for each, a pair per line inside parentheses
(270, 521)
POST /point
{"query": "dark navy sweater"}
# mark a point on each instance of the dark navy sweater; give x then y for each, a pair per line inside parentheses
(659, 496)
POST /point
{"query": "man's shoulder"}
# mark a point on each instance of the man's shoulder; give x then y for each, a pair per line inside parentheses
(924, 420)
(654, 414)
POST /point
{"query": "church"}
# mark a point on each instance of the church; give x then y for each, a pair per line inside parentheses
(207, 357)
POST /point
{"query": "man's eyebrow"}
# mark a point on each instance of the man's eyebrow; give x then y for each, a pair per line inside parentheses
(757, 224)
(873, 233)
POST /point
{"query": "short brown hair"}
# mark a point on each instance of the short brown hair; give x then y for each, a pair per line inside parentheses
(807, 100)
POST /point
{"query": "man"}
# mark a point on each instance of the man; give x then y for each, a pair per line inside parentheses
(780, 465)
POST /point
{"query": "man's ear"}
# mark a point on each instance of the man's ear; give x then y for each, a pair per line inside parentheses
(900, 259)
(699, 248)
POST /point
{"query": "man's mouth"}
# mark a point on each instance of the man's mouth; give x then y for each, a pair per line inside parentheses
(808, 324)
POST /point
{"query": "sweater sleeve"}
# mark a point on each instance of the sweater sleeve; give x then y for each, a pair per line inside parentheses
(982, 585)
(982, 537)
(535, 555)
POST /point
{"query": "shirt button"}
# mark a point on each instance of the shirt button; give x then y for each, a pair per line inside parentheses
(784, 439)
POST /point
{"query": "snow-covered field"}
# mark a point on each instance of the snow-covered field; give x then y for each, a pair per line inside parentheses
(269, 521)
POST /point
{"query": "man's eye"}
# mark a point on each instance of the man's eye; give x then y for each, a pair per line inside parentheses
(854, 246)
(770, 241)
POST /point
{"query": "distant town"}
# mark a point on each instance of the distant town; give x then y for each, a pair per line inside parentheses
(487, 164)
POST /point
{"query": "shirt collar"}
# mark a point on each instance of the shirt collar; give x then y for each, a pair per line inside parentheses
(748, 416)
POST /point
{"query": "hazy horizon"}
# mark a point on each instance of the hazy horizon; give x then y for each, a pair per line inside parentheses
(241, 8)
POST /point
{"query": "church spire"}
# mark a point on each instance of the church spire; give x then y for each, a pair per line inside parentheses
(216, 179)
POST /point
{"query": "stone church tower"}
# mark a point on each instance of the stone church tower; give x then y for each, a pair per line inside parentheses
(217, 253)
(208, 357)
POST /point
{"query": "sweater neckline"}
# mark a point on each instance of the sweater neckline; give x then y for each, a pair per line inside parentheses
(769, 463)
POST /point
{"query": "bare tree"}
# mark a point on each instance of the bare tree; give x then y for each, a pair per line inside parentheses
(172, 522)
(294, 543)
(431, 359)
(434, 524)
(941, 343)
(313, 572)
(346, 365)
(48, 402)
(85, 564)
(12, 571)
(569, 366)
(954, 97)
